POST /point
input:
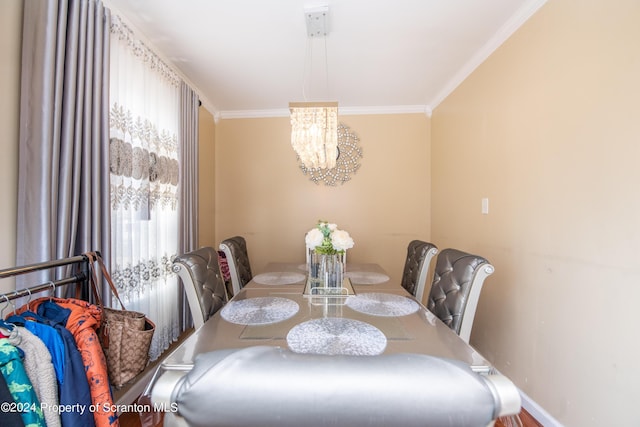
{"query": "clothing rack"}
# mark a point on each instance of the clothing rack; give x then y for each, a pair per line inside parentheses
(80, 275)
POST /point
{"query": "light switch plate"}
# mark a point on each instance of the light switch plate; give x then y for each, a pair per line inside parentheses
(485, 205)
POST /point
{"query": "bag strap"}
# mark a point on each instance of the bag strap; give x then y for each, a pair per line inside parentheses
(93, 280)
(96, 257)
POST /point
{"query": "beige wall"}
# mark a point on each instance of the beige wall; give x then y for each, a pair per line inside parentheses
(548, 129)
(262, 194)
(207, 180)
(10, 41)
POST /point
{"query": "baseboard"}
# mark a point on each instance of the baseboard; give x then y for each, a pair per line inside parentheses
(128, 394)
(538, 412)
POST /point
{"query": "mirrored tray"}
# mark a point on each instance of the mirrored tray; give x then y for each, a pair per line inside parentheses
(320, 291)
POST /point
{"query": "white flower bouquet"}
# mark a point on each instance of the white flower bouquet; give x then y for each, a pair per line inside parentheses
(327, 239)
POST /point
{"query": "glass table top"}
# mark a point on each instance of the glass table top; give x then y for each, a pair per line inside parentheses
(264, 314)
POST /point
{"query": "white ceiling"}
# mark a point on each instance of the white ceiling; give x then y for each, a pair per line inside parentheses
(247, 57)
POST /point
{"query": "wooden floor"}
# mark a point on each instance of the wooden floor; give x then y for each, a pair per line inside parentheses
(132, 419)
(526, 420)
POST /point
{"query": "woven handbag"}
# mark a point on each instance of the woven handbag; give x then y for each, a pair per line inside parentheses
(125, 335)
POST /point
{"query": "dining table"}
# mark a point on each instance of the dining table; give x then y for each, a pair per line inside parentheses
(374, 315)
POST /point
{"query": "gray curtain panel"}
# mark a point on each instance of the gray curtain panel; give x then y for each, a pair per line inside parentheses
(63, 202)
(189, 122)
(189, 113)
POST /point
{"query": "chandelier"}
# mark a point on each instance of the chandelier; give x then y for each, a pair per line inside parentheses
(314, 133)
(314, 125)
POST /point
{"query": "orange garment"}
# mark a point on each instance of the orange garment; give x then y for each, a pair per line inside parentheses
(83, 322)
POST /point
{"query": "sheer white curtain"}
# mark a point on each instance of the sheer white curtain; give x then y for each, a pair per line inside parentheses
(144, 128)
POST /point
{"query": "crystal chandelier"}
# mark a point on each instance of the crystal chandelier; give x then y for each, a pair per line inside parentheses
(314, 125)
(314, 133)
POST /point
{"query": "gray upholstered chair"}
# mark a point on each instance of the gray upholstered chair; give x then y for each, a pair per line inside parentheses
(273, 386)
(416, 267)
(235, 250)
(455, 291)
(202, 281)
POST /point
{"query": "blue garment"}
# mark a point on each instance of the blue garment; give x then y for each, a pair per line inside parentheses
(20, 386)
(51, 339)
(74, 389)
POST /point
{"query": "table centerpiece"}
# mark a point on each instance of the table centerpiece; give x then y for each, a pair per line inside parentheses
(326, 254)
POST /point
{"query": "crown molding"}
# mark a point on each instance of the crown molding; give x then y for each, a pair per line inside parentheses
(391, 109)
(515, 22)
(253, 114)
(345, 111)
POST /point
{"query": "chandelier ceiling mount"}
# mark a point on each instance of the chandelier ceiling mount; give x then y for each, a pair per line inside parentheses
(314, 125)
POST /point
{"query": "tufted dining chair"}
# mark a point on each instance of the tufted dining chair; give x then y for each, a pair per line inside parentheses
(288, 393)
(455, 291)
(235, 250)
(203, 284)
(416, 267)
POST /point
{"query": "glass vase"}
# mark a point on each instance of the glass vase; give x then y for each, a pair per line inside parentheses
(326, 270)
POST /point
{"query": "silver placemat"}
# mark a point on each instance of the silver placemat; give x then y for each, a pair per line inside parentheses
(279, 278)
(366, 277)
(379, 304)
(336, 336)
(259, 311)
